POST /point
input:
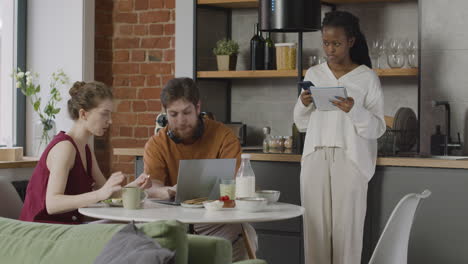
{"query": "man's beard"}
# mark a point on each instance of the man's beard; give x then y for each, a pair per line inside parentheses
(186, 135)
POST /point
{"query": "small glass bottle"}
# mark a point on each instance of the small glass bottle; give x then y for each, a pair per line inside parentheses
(245, 178)
(266, 139)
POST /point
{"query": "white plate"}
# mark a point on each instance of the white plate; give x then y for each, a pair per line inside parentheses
(191, 205)
(110, 203)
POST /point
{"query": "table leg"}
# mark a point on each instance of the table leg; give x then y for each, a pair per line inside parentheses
(248, 245)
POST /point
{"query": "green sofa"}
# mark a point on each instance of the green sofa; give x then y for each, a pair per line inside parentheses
(25, 242)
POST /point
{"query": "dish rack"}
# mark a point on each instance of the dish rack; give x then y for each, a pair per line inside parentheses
(396, 141)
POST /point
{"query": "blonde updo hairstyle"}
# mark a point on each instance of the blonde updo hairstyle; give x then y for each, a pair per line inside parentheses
(86, 96)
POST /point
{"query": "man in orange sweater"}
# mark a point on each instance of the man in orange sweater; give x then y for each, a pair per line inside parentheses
(188, 136)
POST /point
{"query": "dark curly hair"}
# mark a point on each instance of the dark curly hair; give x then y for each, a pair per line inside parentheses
(180, 88)
(359, 52)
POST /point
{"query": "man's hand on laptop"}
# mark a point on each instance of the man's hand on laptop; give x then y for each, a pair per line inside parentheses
(172, 191)
(159, 191)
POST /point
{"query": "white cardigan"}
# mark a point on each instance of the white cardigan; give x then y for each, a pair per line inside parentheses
(357, 131)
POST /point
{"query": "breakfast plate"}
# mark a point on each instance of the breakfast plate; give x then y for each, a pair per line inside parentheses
(114, 202)
(194, 203)
(187, 205)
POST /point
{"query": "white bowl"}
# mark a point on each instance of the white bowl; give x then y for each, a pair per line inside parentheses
(272, 196)
(251, 204)
(213, 205)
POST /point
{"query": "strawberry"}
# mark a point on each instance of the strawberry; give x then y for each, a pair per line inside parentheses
(224, 198)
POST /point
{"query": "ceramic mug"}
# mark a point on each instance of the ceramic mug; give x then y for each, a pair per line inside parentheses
(131, 197)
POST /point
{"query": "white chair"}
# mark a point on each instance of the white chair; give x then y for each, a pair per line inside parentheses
(10, 201)
(392, 247)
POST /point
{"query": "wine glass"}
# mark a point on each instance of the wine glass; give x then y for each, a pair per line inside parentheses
(413, 60)
(396, 60)
(374, 53)
(395, 46)
(409, 46)
(377, 49)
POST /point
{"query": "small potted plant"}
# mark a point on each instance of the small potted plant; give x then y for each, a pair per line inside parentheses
(226, 51)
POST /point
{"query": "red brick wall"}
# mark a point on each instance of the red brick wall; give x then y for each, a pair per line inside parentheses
(135, 54)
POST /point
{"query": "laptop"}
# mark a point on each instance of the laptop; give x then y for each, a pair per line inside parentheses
(200, 178)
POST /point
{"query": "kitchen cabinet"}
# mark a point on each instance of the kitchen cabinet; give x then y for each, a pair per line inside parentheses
(439, 232)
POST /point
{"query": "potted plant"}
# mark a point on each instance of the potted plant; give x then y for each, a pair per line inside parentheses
(226, 51)
(44, 130)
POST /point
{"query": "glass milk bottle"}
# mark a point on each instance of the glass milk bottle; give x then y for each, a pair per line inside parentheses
(245, 178)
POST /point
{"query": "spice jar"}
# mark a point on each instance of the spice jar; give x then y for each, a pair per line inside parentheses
(286, 56)
(280, 142)
(273, 144)
(288, 142)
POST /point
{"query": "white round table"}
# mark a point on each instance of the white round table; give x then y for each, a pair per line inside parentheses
(152, 211)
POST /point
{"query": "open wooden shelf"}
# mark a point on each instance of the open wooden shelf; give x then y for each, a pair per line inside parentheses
(230, 3)
(247, 74)
(254, 3)
(397, 72)
(291, 73)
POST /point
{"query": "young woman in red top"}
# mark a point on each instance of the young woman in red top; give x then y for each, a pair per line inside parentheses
(67, 175)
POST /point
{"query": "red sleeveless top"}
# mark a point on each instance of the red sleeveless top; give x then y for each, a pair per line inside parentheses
(79, 181)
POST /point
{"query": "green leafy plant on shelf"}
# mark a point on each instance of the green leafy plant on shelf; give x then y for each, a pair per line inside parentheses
(226, 51)
(226, 47)
(26, 82)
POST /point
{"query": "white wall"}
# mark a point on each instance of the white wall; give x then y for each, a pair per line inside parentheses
(7, 37)
(184, 39)
(60, 35)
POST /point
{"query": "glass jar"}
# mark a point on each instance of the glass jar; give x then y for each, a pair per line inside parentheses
(285, 56)
(280, 144)
(272, 144)
(288, 142)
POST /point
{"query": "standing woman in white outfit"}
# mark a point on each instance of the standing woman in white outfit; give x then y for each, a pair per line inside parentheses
(340, 150)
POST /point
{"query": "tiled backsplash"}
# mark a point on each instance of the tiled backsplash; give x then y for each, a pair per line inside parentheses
(444, 41)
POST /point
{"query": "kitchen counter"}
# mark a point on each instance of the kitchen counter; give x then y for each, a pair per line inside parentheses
(27, 162)
(381, 161)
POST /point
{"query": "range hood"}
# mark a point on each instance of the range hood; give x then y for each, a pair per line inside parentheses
(290, 15)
